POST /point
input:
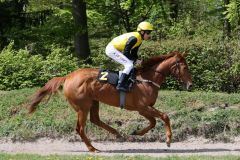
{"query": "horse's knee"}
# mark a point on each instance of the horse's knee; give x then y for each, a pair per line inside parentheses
(153, 123)
(94, 120)
(82, 133)
(165, 117)
(77, 128)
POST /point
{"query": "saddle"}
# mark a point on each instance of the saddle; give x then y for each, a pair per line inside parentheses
(112, 77)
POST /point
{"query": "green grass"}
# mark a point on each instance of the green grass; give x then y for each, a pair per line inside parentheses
(119, 157)
(212, 115)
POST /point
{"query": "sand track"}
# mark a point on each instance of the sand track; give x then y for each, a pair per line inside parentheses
(155, 149)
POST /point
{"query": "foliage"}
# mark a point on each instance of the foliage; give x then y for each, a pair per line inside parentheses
(213, 68)
(232, 11)
(57, 30)
(213, 59)
(35, 5)
(20, 69)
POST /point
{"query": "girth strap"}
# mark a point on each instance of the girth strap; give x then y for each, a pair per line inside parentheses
(122, 99)
(123, 94)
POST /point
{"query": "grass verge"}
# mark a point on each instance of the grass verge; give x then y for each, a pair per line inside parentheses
(215, 116)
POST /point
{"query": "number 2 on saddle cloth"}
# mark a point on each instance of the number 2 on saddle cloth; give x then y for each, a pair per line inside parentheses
(112, 77)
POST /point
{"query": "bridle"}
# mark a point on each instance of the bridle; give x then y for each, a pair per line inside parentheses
(177, 64)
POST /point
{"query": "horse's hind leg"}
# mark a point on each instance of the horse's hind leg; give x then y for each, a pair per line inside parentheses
(81, 123)
(94, 118)
(152, 124)
(82, 114)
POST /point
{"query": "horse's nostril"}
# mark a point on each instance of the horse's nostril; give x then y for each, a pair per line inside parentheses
(189, 86)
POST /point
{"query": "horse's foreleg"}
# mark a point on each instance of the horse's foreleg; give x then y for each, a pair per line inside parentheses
(167, 125)
(155, 113)
(82, 117)
(94, 118)
(152, 124)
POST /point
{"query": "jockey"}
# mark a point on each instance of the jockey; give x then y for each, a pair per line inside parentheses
(123, 49)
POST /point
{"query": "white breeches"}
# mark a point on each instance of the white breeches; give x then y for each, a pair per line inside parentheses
(120, 58)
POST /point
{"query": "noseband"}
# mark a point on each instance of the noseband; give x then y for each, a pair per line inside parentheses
(177, 72)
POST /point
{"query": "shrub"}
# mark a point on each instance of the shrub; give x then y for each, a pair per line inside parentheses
(59, 63)
(19, 69)
(214, 64)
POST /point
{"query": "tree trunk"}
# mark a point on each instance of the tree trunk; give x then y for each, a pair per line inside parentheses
(81, 42)
(173, 9)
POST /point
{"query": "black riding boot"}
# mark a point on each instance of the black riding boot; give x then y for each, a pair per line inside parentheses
(122, 83)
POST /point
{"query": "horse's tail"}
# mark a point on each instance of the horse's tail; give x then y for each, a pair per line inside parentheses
(51, 87)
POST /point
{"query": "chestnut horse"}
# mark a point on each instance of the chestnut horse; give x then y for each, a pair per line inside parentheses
(84, 92)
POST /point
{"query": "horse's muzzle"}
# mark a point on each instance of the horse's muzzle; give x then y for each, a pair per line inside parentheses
(189, 86)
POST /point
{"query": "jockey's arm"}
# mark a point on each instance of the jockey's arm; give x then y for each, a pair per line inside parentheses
(127, 50)
(134, 54)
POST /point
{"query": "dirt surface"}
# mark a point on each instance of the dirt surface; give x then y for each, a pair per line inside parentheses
(155, 149)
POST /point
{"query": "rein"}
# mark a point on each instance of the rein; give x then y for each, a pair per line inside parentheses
(148, 81)
(160, 72)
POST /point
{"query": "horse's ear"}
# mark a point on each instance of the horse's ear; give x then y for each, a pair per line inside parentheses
(184, 54)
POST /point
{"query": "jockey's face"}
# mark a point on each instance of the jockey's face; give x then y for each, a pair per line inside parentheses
(146, 35)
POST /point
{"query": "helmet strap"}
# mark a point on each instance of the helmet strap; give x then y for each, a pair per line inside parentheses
(141, 33)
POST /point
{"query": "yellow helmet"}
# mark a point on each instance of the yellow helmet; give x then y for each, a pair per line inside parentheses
(143, 26)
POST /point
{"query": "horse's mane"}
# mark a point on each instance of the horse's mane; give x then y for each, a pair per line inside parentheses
(157, 59)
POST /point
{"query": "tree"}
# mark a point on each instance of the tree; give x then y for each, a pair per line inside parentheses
(174, 9)
(10, 17)
(81, 41)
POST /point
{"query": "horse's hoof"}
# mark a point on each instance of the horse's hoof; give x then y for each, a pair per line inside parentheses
(134, 133)
(119, 136)
(120, 139)
(94, 150)
(97, 151)
(168, 144)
